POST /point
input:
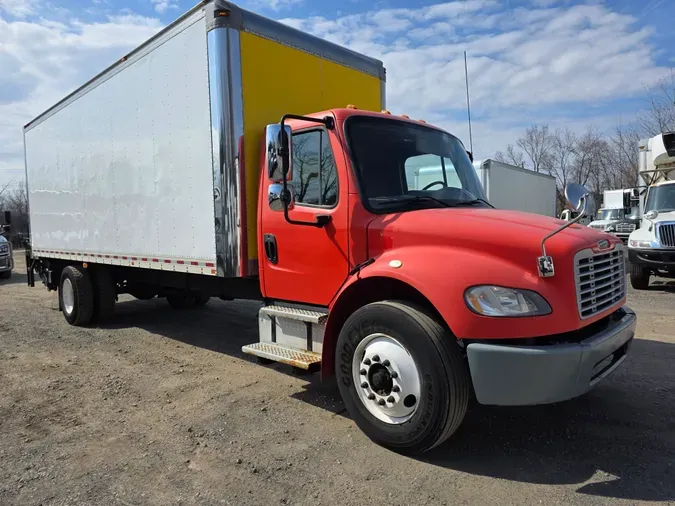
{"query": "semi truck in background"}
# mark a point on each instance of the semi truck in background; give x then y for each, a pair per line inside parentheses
(651, 248)
(571, 215)
(516, 188)
(619, 213)
(194, 168)
(6, 252)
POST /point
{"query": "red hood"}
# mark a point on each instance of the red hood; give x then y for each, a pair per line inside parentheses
(510, 234)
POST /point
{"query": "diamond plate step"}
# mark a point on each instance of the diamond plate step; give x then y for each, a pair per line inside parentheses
(301, 359)
(304, 315)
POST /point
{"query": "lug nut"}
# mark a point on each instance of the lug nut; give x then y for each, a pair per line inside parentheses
(385, 363)
(366, 361)
(371, 397)
(396, 389)
(376, 358)
(364, 385)
(363, 372)
(381, 402)
(391, 399)
(394, 374)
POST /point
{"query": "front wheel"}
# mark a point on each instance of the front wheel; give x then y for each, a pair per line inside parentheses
(401, 376)
(639, 277)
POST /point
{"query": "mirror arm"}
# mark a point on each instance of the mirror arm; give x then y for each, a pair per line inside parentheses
(545, 262)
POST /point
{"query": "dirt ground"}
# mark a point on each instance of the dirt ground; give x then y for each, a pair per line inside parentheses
(161, 407)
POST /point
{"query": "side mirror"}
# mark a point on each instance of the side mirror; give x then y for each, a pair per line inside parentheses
(277, 151)
(470, 155)
(651, 215)
(577, 197)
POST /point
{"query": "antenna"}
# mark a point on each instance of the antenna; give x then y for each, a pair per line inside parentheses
(468, 102)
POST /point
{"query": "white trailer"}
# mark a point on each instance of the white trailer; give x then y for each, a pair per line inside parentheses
(516, 188)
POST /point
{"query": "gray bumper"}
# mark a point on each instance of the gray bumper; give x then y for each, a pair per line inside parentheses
(6, 264)
(507, 375)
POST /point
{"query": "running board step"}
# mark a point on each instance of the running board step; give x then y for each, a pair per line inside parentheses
(278, 353)
(292, 313)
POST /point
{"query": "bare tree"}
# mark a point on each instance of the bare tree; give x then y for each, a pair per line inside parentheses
(536, 144)
(562, 157)
(660, 117)
(512, 156)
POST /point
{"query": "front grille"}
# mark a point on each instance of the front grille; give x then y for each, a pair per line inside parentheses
(625, 228)
(600, 280)
(666, 234)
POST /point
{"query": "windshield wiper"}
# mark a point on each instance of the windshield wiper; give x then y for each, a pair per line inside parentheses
(407, 199)
(472, 202)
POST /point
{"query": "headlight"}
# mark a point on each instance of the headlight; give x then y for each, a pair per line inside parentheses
(640, 244)
(4, 248)
(499, 301)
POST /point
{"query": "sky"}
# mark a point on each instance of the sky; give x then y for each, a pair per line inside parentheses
(568, 63)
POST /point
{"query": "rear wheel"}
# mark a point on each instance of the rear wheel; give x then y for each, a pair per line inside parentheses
(639, 277)
(6, 274)
(76, 295)
(402, 377)
(202, 300)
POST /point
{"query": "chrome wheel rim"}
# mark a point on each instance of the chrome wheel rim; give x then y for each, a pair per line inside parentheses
(68, 296)
(386, 378)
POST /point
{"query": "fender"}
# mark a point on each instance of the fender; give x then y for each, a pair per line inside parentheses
(439, 276)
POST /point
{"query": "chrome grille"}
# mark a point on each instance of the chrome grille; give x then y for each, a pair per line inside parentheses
(600, 280)
(666, 234)
(625, 228)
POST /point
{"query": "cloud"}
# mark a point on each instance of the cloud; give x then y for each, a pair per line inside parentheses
(525, 64)
(162, 6)
(17, 8)
(275, 5)
(43, 60)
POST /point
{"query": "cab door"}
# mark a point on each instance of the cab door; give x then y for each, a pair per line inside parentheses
(301, 263)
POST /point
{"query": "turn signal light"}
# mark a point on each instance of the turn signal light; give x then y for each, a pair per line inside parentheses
(405, 116)
(352, 106)
(384, 111)
(421, 121)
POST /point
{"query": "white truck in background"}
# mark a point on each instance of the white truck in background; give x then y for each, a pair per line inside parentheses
(651, 248)
(516, 188)
(6, 257)
(619, 213)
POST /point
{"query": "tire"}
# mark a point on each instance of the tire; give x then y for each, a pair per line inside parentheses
(431, 411)
(6, 274)
(181, 301)
(77, 304)
(105, 294)
(639, 277)
(202, 300)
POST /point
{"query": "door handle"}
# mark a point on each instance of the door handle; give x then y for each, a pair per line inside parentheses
(271, 251)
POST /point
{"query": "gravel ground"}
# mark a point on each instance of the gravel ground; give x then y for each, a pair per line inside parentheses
(161, 407)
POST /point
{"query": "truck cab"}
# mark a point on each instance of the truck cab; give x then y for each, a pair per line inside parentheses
(652, 246)
(569, 215)
(607, 219)
(401, 285)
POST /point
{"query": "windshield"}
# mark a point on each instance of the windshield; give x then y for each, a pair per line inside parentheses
(610, 214)
(661, 199)
(404, 166)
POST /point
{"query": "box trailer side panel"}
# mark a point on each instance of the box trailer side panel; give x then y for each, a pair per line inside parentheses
(278, 79)
(123, 168)
(518, 189)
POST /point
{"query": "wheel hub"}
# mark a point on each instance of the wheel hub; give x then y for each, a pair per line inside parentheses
(68, 296)
(387, 378)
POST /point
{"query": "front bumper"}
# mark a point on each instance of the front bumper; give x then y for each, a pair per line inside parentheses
(6, 263)
(654, 258)
(513, 375)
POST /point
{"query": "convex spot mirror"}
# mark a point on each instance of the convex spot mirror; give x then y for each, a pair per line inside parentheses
(577, 197)
(277, 151)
